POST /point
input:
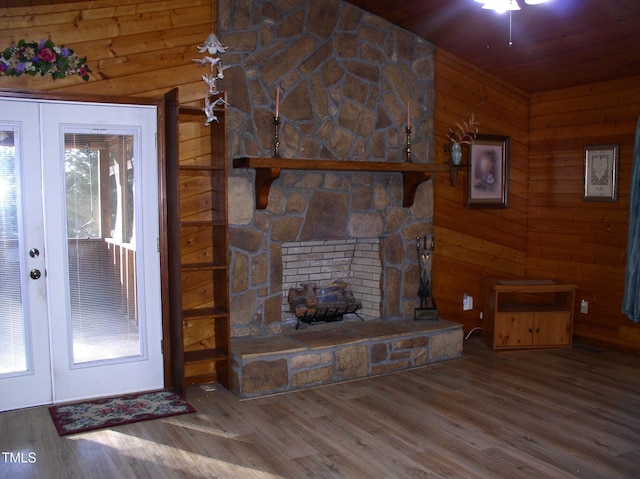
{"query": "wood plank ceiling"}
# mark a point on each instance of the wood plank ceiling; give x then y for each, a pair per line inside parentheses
(560, 44)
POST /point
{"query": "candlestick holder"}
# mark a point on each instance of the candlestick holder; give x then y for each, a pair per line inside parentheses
(408, 149)
(276, 137)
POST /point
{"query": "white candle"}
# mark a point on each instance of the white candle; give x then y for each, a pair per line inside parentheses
(408, 115)
(278, 102)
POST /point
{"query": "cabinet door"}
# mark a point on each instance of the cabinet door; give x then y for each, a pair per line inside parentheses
(552, 328)
(513, 330)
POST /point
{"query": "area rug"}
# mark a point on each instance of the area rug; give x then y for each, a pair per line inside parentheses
(107, 412)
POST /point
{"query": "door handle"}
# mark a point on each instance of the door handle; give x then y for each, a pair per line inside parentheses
(35, 274)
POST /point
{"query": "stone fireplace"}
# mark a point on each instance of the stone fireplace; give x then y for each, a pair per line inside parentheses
(345, 78)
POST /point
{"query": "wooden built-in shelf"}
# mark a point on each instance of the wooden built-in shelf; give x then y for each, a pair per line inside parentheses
(202, 223)
(203, 312)
(202, 266)
(268, 170)
(198, 245)
(204, 355)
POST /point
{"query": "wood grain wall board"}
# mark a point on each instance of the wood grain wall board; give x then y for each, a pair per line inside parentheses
(583, 241)
(606, 214)
(586, 96)
(196, 244)
(196, 151)
(593, 232)
(588, 134)
(199, 334)
(577, 251)
(478, 243)
(122, 26)
(146, 46)
(603, 114)
(191, 127)
(508, 234)
(75, 13)
(144, 84)
(484, 258)
(591, 273)
(458, 105)
(197, 290)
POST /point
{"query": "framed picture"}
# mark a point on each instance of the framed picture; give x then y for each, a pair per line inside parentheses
(601, 164)
(489, 172)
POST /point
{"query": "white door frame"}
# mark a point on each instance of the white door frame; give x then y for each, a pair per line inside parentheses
(68, 381)
(33, 386)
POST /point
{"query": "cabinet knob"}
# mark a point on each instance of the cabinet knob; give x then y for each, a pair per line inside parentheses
(531, 330)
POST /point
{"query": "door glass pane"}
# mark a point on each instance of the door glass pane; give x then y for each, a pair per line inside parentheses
(13, 347)
(99, 179)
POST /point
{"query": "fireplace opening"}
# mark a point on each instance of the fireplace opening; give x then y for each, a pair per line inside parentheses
(314, 304)
(350, 266)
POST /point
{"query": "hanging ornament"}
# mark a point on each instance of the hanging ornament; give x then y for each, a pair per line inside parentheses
(212, 46)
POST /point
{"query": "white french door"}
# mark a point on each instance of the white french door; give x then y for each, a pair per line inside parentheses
(78, 252)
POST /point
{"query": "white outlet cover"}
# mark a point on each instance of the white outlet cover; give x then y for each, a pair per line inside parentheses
(467, 303)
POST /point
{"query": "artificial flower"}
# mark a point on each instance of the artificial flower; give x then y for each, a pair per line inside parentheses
(42, 57)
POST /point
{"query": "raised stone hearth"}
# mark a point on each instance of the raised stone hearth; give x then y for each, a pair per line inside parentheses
(328, 353)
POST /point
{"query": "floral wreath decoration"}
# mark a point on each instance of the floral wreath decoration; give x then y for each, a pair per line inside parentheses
(42, 57)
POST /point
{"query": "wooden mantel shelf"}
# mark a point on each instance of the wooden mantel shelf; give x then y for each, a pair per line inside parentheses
(268, 170)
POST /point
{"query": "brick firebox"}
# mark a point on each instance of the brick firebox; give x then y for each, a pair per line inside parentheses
(354, 261)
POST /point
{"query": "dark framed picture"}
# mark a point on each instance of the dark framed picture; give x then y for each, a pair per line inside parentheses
(489, 172)
(601, 164)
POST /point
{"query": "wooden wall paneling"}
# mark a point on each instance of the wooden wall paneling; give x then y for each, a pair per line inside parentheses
(89, 21)
(580, 241)
(594, 96)
(133, 47)
(474, 244)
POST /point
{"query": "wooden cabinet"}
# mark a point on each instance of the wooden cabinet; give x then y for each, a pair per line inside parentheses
(527, 314)
(198, 241)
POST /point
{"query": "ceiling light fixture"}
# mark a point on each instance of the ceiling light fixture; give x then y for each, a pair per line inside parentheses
(502, 6)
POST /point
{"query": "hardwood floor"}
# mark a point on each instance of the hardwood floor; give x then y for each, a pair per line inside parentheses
(564, 413)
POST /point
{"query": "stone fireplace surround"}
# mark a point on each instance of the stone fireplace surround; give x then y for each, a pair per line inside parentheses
(345, 78)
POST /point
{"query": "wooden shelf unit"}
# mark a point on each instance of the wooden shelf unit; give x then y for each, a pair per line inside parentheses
(268, 170)
(521, 314)
(198, 242)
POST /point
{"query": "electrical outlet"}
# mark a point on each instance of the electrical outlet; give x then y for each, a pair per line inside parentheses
(584, 306)
(467, 302)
